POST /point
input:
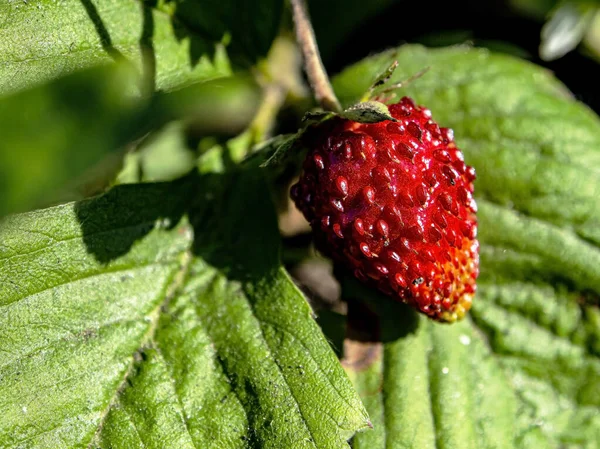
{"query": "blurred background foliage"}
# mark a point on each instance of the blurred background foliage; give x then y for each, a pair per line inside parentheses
(85, 86)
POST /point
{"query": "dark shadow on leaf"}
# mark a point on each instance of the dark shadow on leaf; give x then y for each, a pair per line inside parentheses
(231, 215)
(373, 320)
(113, 222)
(333, 326)
(223, 210)
(105, 39)
(372, 316)
(199, 45)
(229, 227)
(247, 26)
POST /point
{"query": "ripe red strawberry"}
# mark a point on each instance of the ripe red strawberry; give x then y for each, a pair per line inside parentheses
(393, 202)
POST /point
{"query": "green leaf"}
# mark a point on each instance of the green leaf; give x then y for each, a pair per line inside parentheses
(549, 345)
(43, 40)
(158, 315)
(534, 333)
(250, 25)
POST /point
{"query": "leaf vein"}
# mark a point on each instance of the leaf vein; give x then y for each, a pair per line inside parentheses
(290, 333)
(86, 277)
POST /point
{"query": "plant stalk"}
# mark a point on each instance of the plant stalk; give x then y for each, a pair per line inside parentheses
(313, 65)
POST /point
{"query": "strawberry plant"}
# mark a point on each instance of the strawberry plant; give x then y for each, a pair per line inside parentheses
(161, 285)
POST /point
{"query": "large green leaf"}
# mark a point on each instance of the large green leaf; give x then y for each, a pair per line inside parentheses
(158, 315)
(535, 317)
(45, 39)
(170, 45)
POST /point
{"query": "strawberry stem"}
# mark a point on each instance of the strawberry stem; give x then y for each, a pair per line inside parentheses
(313, 65)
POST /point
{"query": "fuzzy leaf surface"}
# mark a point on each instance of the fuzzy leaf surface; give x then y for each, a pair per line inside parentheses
(158, 315)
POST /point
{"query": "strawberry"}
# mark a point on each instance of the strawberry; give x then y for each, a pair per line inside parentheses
(393, 202)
